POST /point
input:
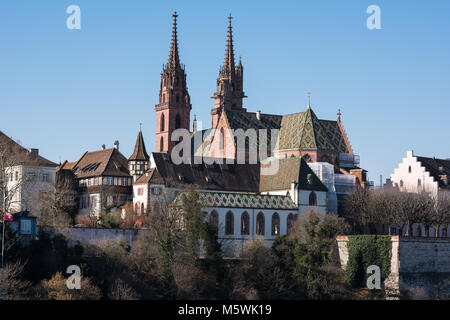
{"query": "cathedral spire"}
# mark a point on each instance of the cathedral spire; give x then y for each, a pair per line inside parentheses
(174, 59)
(230, 92)
(228, 65)
(174, 106)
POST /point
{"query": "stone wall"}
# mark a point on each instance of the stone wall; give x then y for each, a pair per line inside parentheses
(89, 236)
(420, 267)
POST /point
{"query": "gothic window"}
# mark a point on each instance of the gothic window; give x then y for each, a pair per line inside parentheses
(307, 158)
(290, 222)
(177, 121)
(162, 122)
(275, 224)
(312, 199)
(177, 98)
(142, 208)
(419, 183)
(214, 219)
(260, 224)
(161, 145)
(409, 169)
(229, 223)
(245, 224)
(222, 139)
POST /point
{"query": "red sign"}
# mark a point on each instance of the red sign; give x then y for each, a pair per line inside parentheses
(8, 216)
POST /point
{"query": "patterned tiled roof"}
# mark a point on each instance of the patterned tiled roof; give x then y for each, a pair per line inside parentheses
(305, 131)
(242, 200)
(290, 170)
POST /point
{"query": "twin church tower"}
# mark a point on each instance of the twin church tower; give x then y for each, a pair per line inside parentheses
(174, 107)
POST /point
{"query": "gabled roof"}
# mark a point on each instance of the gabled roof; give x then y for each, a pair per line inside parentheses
(222, 177)
(18, 155)
(242, 200)
(108, 162)
(438, 169)
(290, 170)
(139, 153)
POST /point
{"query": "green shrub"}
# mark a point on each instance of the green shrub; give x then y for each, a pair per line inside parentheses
(364, 251)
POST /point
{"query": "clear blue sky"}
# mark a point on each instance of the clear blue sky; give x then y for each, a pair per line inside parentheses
(67, 91)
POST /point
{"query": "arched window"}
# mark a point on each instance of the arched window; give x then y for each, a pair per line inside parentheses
(419, 231)
(229, 223)
(419, 183)
(222, 139)
(312, 199)
(245, 224)
(177, 121)
(275, 224)
(409, 169)
(162, 122)
(260, 224)
(161, 145)
(401, 183)
(307, 158)
(290, 222)
(142, 208)
(214, 219)
(177, 98)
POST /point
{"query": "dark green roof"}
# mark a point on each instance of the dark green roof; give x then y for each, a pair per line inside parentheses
(290, 170)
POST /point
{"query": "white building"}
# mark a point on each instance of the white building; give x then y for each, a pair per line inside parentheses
(422, 174)
(418, 174)
(27, 176)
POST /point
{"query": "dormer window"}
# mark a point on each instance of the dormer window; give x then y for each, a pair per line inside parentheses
(309, 178)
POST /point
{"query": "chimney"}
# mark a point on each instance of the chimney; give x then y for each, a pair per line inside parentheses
(34, 152)
(258, 114)
(116, 145)
(103, 146)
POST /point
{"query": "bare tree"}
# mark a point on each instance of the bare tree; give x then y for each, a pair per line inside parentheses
(11, 285)
(413, 208)
(440, 212)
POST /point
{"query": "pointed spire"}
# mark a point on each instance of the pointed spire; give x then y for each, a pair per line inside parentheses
(194, 124)
(139, 153)
(174, 59)
(309, 98)
(228, 65)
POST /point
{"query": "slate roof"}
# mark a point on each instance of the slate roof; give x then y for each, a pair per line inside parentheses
(220, 177)
(290, 170)
(242, 200)
(439, 169)
(19, 155)
(108, 162)
(139, 153)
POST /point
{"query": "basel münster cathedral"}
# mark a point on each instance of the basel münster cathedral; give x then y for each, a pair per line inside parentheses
(316, 163)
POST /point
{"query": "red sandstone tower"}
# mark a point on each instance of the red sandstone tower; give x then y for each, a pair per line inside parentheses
(229, 92)
(174, 107)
